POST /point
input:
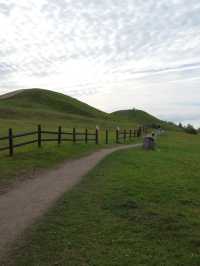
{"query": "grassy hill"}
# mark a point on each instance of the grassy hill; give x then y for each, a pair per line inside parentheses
(25, 109)
(142, 117)
(48, 101)
(137, 116)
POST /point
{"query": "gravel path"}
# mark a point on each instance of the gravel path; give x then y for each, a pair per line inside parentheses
(22, 205)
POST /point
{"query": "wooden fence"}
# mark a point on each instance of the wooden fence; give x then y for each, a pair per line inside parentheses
(60, 136)
(124, 135)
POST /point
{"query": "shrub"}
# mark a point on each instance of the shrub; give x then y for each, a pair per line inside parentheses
(190, 129)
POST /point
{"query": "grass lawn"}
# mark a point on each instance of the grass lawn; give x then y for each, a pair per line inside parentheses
(134, 208)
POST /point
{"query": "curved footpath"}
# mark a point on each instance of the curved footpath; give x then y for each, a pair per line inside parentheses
(22, 205)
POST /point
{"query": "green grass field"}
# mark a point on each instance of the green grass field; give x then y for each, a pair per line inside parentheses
(134, 208)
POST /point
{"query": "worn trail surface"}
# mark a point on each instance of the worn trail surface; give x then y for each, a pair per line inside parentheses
(22, 205)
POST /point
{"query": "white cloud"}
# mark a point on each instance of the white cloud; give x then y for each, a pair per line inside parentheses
(133, 53)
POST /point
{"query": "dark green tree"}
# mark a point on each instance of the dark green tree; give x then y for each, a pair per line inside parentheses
(190, 129)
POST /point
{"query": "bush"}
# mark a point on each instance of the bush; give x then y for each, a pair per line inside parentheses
(190, 129)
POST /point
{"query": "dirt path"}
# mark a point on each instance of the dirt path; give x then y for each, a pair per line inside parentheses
(21, 206)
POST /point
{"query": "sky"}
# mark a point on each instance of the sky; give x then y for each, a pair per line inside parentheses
(111, 54)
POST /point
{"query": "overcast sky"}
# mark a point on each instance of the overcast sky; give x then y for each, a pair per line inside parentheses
(112, 54)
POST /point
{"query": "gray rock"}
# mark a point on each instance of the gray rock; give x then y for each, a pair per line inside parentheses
(149, 143)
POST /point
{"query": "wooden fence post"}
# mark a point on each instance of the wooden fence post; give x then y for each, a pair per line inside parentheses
(117, 136)
(39, 136)
(59, 135)
(86, 135)
(130, 134)
(106, 136)
(74, 135)
(124, 135)
(10, 136)
(139, 132)
(97, 135)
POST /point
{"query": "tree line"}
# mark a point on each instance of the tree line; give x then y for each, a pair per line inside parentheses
(189, 129)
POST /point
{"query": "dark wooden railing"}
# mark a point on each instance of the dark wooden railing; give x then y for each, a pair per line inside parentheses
(60, 136)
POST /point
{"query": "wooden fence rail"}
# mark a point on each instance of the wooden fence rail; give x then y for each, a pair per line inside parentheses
(60, 136)
(124, 135)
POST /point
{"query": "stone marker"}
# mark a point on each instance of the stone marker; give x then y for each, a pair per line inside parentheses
(149, 143)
